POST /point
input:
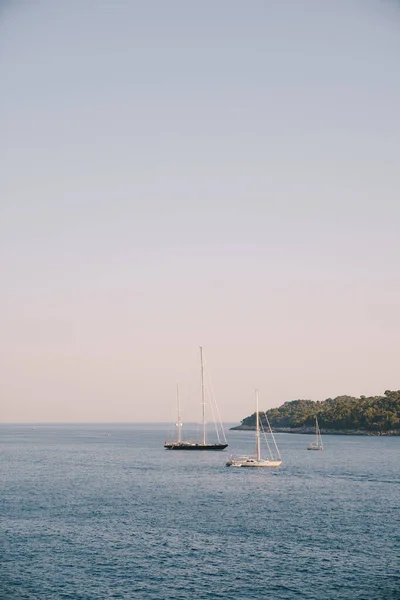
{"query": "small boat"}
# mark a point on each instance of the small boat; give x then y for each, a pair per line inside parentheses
(257, 461)
(317, 445)
(180, 444)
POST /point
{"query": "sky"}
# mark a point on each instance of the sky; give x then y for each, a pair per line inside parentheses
(176, 174)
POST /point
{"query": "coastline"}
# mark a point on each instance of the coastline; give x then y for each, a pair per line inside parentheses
(311, 430)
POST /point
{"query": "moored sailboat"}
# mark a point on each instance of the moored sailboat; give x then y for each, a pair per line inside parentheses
(257, 460)
(317, 445)
(180, 444)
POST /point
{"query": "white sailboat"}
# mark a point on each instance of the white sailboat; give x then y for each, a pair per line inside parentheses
(317, 445)
(257, 461)
(180, 444)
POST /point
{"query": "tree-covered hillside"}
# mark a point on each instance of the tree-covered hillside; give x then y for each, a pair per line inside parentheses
(376, 414)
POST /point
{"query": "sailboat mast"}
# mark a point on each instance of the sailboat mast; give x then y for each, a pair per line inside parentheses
(316, 430)
(258, 450)
(319, 436)
(203, 401)
(179, 424)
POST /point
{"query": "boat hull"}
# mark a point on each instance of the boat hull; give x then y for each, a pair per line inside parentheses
(183, 446)
(253, 463)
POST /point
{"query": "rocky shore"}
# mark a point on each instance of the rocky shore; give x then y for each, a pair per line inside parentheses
(311, 430)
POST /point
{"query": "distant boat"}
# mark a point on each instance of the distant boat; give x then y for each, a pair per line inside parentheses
(257, 461)
(180, 444)
(317, 445)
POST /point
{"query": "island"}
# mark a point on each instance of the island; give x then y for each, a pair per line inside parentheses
(344, 415)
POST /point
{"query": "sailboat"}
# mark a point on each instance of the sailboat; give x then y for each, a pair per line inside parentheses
(180, 444)
(257, 461)
(317, 445)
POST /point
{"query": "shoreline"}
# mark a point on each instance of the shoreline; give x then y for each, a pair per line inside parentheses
(311, 431)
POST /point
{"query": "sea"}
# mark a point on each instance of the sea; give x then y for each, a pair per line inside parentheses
(90, 512)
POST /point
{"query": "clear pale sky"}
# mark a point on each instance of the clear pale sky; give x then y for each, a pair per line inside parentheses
(175, 174)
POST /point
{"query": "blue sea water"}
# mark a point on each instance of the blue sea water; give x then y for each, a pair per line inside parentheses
(85, 515)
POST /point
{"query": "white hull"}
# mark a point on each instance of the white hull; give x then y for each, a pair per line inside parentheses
(252, 462)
